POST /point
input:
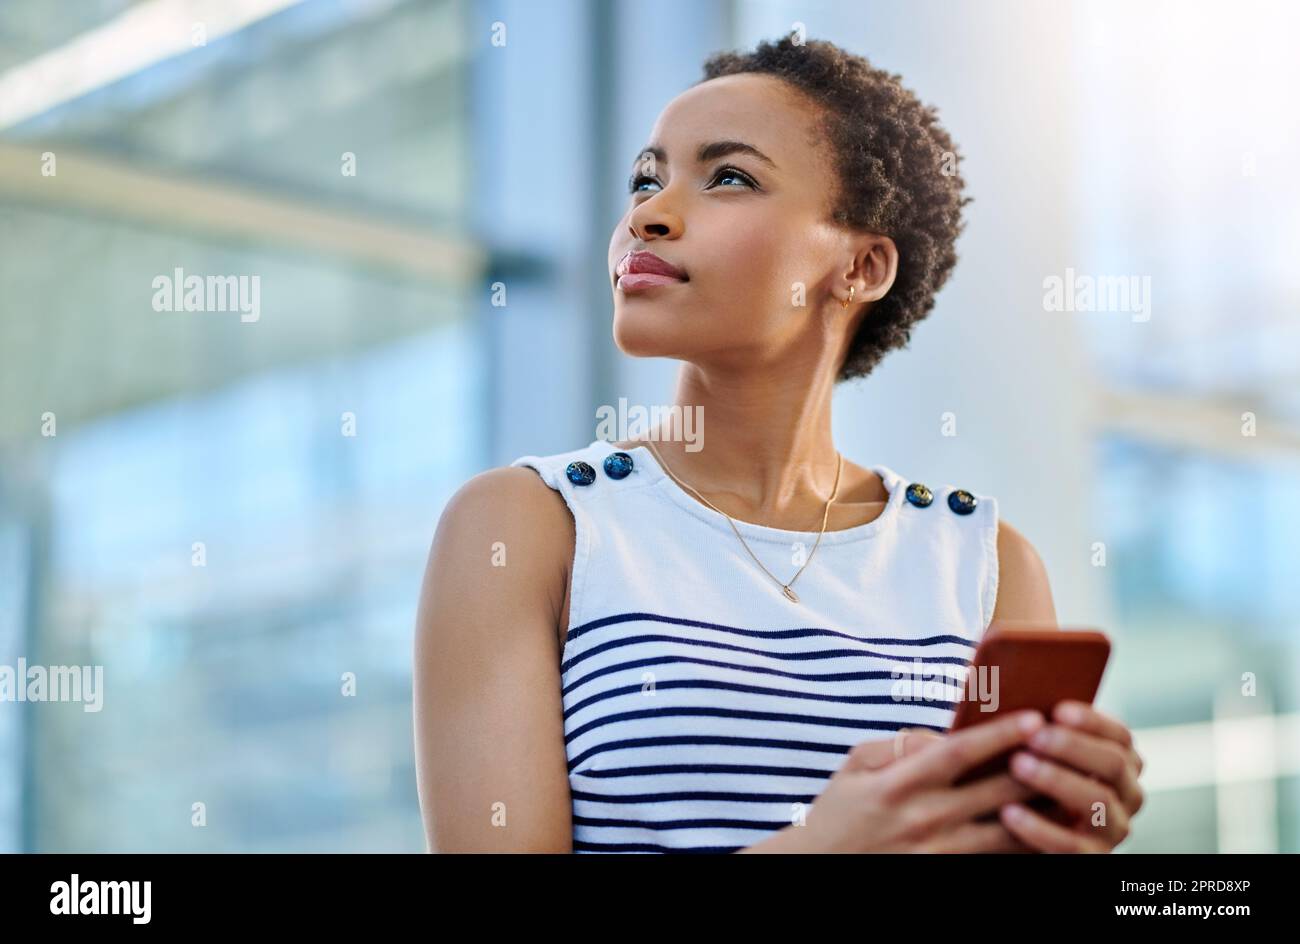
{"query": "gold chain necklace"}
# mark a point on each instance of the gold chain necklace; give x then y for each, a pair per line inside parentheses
(785, 587)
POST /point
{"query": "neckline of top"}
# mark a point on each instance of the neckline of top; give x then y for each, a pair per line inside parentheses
(643, 461)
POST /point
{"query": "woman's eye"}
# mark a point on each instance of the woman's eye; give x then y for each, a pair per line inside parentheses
(725, 172)
(634, 182)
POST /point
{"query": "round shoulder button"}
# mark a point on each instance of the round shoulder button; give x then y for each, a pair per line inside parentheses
(618, 465)
(919, 495)
(962, 501)
(580, 473)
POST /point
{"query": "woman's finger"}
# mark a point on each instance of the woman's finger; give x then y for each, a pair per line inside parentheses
(1092, 755)
(910, 740)
(881, 752)
(983, 796)
(960, 751)
(1085, 717)
(1080, 715)
(1073, 791)
(1045, 836)
(869, 755)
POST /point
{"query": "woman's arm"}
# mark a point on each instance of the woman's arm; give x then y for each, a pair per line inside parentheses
(1024, 593)
(489, 734)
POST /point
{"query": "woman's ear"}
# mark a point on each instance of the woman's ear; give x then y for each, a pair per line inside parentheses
(875, 266)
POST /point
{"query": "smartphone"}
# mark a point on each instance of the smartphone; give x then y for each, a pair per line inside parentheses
(1028, 667)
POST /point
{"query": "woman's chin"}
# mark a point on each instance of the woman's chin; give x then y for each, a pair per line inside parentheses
(638, 336)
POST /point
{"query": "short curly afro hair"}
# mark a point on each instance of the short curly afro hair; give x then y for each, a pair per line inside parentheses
(897, 172)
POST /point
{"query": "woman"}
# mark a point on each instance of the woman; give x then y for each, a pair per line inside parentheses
(611, 651)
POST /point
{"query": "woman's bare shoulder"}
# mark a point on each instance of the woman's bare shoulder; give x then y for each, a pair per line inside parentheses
(509, 518)
(510, 501)
(518, 486)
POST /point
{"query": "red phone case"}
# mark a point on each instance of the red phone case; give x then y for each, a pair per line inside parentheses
(1028, 668)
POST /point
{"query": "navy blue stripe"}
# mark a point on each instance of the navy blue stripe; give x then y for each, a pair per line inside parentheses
(762, 670)
(767, 633)
(600, 823)
(584, 846)
(711, 740)
(685, 795)
(789, 656)
(718, 685)
(757, 770)
(708, 711)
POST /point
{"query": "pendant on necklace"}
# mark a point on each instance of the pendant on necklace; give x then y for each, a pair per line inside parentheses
(789, 594)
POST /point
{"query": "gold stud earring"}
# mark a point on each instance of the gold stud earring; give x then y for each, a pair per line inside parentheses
(848, 301)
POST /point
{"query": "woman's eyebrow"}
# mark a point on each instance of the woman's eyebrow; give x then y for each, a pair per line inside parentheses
(709, 152)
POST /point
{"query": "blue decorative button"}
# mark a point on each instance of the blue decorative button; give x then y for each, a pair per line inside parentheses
(580, 473)
(919, 495)
(618, 465)
(962, 501)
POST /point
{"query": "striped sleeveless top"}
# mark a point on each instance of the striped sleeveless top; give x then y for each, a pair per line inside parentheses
(703, 710)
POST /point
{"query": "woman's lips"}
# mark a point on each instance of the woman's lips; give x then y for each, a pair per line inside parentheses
(642, 269)
(639, 281)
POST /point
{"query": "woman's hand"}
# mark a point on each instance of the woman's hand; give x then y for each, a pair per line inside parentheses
(1086, 762)
(877, 802)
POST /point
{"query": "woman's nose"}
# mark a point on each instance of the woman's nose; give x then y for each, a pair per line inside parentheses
(649, 229)
(652, 219)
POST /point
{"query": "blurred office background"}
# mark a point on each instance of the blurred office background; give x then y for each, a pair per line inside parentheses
(490, 143)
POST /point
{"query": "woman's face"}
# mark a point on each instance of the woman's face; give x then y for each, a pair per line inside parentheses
(747, 231)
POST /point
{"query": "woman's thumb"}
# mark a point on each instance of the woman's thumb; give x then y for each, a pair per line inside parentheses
(910, 740)
(872, 755)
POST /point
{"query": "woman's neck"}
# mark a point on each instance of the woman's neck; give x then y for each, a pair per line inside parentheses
(761, 448)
